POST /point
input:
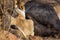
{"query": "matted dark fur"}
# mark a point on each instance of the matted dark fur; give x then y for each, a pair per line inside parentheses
(45, 18)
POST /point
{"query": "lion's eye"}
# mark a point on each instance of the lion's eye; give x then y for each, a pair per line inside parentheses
(21, 7)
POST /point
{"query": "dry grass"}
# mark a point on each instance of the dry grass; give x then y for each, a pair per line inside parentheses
(7, 36)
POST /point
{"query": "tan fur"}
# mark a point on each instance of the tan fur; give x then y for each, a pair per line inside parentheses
(36, 38)
(24, 1)
(57, 9)
(21, 4)
(25, 25)
(22, 7)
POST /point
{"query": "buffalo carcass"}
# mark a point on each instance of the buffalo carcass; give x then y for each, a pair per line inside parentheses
(45, 18)
(47, 1)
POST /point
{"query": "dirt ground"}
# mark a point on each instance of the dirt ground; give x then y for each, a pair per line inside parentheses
(9, 36)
